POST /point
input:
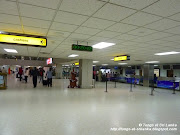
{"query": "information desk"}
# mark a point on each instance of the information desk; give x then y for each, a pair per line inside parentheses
(3, 81)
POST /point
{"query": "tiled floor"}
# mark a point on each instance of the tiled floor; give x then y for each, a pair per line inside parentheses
(61, 111)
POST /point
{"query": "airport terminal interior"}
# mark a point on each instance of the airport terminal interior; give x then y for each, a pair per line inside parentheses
(89, 67)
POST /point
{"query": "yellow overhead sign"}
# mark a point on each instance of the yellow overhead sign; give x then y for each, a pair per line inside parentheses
(33, 41)
(120, 58)
(76, 63)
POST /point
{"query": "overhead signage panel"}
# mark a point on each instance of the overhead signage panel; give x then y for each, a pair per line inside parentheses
(23, 40)
(121, 58)
(76, 63)
(49, 61)
(82, 48)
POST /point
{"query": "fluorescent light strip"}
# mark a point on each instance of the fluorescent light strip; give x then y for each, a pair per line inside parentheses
(73, 55)
(95, 61)
(11, 50)
(104, 64)
(122, 63)
(102, 45)
(152, 62)
(167, 53)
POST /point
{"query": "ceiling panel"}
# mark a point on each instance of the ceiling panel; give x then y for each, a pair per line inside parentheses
(58, 34)
(141, 19)
(11, 28)
(141, 32)
(98, 23)
(163, 24)
(70, 18)
(35, 22)
(175, 30)
(77, 36)
(63, 27)
(88, 31)
(175, 17)
(108, 34)
(35, 31)
(36, 12)
(122, 28)
(154, 36)
(126, 37)
(172, 38)
(98, 39)
(12, 19)
(85, 7)
(113, 12)
(8, 7)
(42, 3)
(160, 8)
(135, 4)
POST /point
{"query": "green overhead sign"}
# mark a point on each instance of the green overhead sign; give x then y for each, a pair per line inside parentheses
(82, 48)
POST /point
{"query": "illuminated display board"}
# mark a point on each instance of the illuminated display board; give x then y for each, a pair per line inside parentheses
(122, 58)
(23, 40)
(76, 63)
(49, 61)
(82, 48)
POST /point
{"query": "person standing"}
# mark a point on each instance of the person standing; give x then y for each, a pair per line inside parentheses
(3, 70)
(49, 77)
(26, 73)
(41, 71)
(20, 72)
(35, 74)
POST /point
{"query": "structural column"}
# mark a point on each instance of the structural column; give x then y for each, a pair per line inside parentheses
(148, 75)
(85, 73)
(58, 71)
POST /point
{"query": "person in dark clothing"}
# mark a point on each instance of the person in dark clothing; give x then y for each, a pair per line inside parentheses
(35, 74)
(20, 73)
(49, 77)
(41, 71)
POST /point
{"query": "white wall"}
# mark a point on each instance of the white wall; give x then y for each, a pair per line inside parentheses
(177, 72)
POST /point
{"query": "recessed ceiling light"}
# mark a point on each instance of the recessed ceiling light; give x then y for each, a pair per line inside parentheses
(104, 64)
(111, 59)
(167, 53)
(102, 45)
(73, 55)
(152, 62)
(66, 65)
(94, 65)
(155, 65)
(95, 61)
(11, 50)
(122, 63)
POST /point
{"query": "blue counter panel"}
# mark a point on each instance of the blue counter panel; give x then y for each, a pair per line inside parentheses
(167, 84)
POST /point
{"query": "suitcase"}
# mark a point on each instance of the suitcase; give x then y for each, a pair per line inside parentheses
(44, 82)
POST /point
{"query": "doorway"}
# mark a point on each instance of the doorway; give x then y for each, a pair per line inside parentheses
(170, 73)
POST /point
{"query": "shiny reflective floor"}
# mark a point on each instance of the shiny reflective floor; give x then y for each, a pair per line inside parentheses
(58, 110)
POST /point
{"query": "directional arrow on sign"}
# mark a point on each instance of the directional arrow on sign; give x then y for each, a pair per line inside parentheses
(42, 42)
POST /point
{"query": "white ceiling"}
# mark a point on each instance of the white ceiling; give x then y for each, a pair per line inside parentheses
(140, 28)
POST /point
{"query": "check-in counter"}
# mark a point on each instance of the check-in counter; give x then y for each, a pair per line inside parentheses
(128, 79)
(3, 81)
(168, 82)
